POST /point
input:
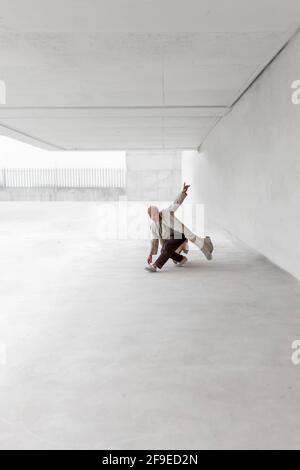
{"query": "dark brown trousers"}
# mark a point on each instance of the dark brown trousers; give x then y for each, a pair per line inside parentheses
(168, 251)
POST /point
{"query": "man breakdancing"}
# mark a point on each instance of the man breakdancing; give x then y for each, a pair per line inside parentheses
(171, 233)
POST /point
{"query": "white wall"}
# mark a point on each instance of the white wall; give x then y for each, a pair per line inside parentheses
(248, 175)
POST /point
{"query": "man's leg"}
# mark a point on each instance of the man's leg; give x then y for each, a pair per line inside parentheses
(199, 242)
(168, 251)
(205, 245)
(176, 257)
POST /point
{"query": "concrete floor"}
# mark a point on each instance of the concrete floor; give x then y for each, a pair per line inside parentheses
(97, 353)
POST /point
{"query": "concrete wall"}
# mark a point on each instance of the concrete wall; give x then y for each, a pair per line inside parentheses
(248, 175)
(153, 175)
(65, 194)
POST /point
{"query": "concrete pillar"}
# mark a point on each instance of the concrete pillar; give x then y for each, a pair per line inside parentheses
(152, 175)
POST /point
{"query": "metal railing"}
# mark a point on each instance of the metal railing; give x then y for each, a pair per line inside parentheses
(62, 178)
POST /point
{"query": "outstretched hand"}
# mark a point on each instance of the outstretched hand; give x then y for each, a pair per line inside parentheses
(185, 187)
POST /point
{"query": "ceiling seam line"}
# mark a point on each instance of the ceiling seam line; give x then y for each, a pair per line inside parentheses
(114, 107)
(24, 134)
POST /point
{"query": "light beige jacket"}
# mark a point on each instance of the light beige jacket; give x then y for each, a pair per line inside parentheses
(168, 222)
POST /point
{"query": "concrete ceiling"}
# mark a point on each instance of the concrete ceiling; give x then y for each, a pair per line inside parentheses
(134, 74)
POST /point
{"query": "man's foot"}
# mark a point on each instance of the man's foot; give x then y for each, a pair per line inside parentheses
(209, 242)
(151, 268)
(207, 248)
(182, 262)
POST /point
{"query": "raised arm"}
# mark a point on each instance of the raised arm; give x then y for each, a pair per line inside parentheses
(179, 200)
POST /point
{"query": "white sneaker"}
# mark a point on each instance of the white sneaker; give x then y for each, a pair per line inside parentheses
(182, 262)
(151, 268)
